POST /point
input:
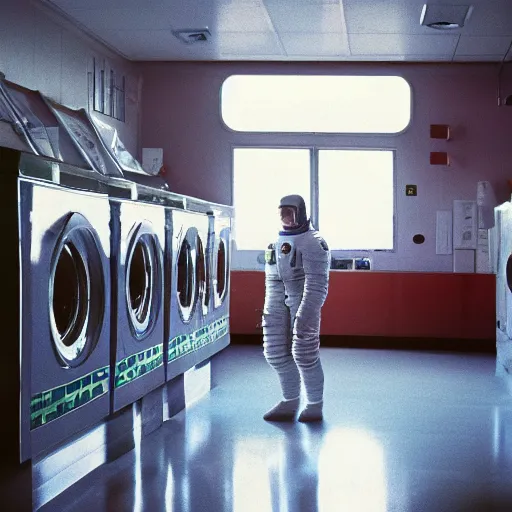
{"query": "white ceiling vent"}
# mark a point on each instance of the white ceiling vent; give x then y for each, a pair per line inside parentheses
(191, 36)
(445, 17)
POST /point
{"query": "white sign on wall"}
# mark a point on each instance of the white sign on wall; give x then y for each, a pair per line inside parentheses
(465, 224)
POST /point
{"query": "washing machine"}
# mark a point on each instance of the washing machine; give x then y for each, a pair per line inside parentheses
(220, 236)
(57, 243)
(138, 234)
(137, 245)
(501, 236)
(189, 340)
(64, 300)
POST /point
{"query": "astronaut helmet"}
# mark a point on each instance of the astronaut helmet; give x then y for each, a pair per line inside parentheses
(292, 210)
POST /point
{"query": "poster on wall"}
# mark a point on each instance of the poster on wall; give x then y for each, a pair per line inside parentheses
(465, 224)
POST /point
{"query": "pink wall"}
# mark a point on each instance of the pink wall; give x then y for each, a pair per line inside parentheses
(181, 114)
(40, 50)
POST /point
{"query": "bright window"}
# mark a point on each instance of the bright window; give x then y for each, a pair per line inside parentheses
(261, 178)
(323, 104)
(355, 195)
(355, 198)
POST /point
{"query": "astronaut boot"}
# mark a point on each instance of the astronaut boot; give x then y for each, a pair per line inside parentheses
(312, 412)
(286, 410)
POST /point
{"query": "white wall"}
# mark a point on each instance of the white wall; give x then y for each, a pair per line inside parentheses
(40, 50)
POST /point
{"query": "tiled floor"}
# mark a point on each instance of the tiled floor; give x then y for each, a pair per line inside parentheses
(403, 431)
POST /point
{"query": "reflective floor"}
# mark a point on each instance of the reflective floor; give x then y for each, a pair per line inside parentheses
(403, 431)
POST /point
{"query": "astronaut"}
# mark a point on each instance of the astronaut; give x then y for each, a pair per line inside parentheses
(296, 283)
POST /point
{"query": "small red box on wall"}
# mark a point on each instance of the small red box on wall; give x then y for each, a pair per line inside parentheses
(439, 131)
(439, 158)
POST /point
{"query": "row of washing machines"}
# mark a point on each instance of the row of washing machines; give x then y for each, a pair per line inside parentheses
(114, 285)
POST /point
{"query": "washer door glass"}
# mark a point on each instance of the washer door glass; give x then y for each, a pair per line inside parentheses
(222, 270)
(203, 276)
(186, 272)
(143, 277)
(76, 292)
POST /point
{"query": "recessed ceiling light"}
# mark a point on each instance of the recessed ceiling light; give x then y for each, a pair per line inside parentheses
(445, 17)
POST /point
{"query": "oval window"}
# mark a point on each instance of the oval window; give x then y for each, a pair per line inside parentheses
(316, 103)
(70, 295)
(142, 278)
(76, 292)
(509, 272)
(203, 276)
(221, 270)
(70, 289)
(185, 275)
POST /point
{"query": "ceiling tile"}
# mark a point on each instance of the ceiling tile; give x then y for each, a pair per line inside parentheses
(156, 45)
(402, 58)
(242, 17)
(299, 17)
(248, 43)
(123, 19)
(384, 16)
(314, 45)
(399, 44)
(108, 4)
(483, 45)
(490, 17)
(293, 3)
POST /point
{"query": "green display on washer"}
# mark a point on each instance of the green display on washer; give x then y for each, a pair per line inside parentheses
(184, 344)
(55, 403)
(137, 365)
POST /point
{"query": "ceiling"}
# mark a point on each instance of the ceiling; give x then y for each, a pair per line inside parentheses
(291, 30)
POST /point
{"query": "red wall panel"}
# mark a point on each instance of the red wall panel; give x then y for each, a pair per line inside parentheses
(391, 304)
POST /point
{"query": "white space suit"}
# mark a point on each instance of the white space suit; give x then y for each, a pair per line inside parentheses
(296, 282)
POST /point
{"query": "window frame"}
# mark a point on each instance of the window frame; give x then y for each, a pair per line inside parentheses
(319, 133)
(314, 188)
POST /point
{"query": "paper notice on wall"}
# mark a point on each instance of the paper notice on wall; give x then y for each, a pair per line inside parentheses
(444, 237)
(486, 201)
(465, 224)
(483, 263)
(152, 160)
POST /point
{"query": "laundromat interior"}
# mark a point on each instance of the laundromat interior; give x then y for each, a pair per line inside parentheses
(144, 149)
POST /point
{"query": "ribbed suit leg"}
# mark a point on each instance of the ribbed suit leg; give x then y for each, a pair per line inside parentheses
(306, 340)
(277, 341)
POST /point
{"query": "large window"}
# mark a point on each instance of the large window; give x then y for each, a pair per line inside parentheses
(355, 198)
(352, 193)
(321, 104)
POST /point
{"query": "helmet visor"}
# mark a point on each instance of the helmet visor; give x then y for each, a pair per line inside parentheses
(288, 216)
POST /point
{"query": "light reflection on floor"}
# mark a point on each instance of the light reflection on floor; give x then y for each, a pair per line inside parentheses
(403, 432)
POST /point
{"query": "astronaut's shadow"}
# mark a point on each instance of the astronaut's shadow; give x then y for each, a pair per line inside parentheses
(294, 479)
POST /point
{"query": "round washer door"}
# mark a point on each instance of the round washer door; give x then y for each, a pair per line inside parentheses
(203, 275)
(143, 279)
(187, 285)
(76, 292)
(222, 268)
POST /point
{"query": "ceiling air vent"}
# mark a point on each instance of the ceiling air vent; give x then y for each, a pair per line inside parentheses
(191, 36)
(445, 17)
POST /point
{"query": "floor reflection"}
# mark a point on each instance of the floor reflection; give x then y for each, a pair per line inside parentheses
(294, 481)
(351, 472)
(434, 436)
